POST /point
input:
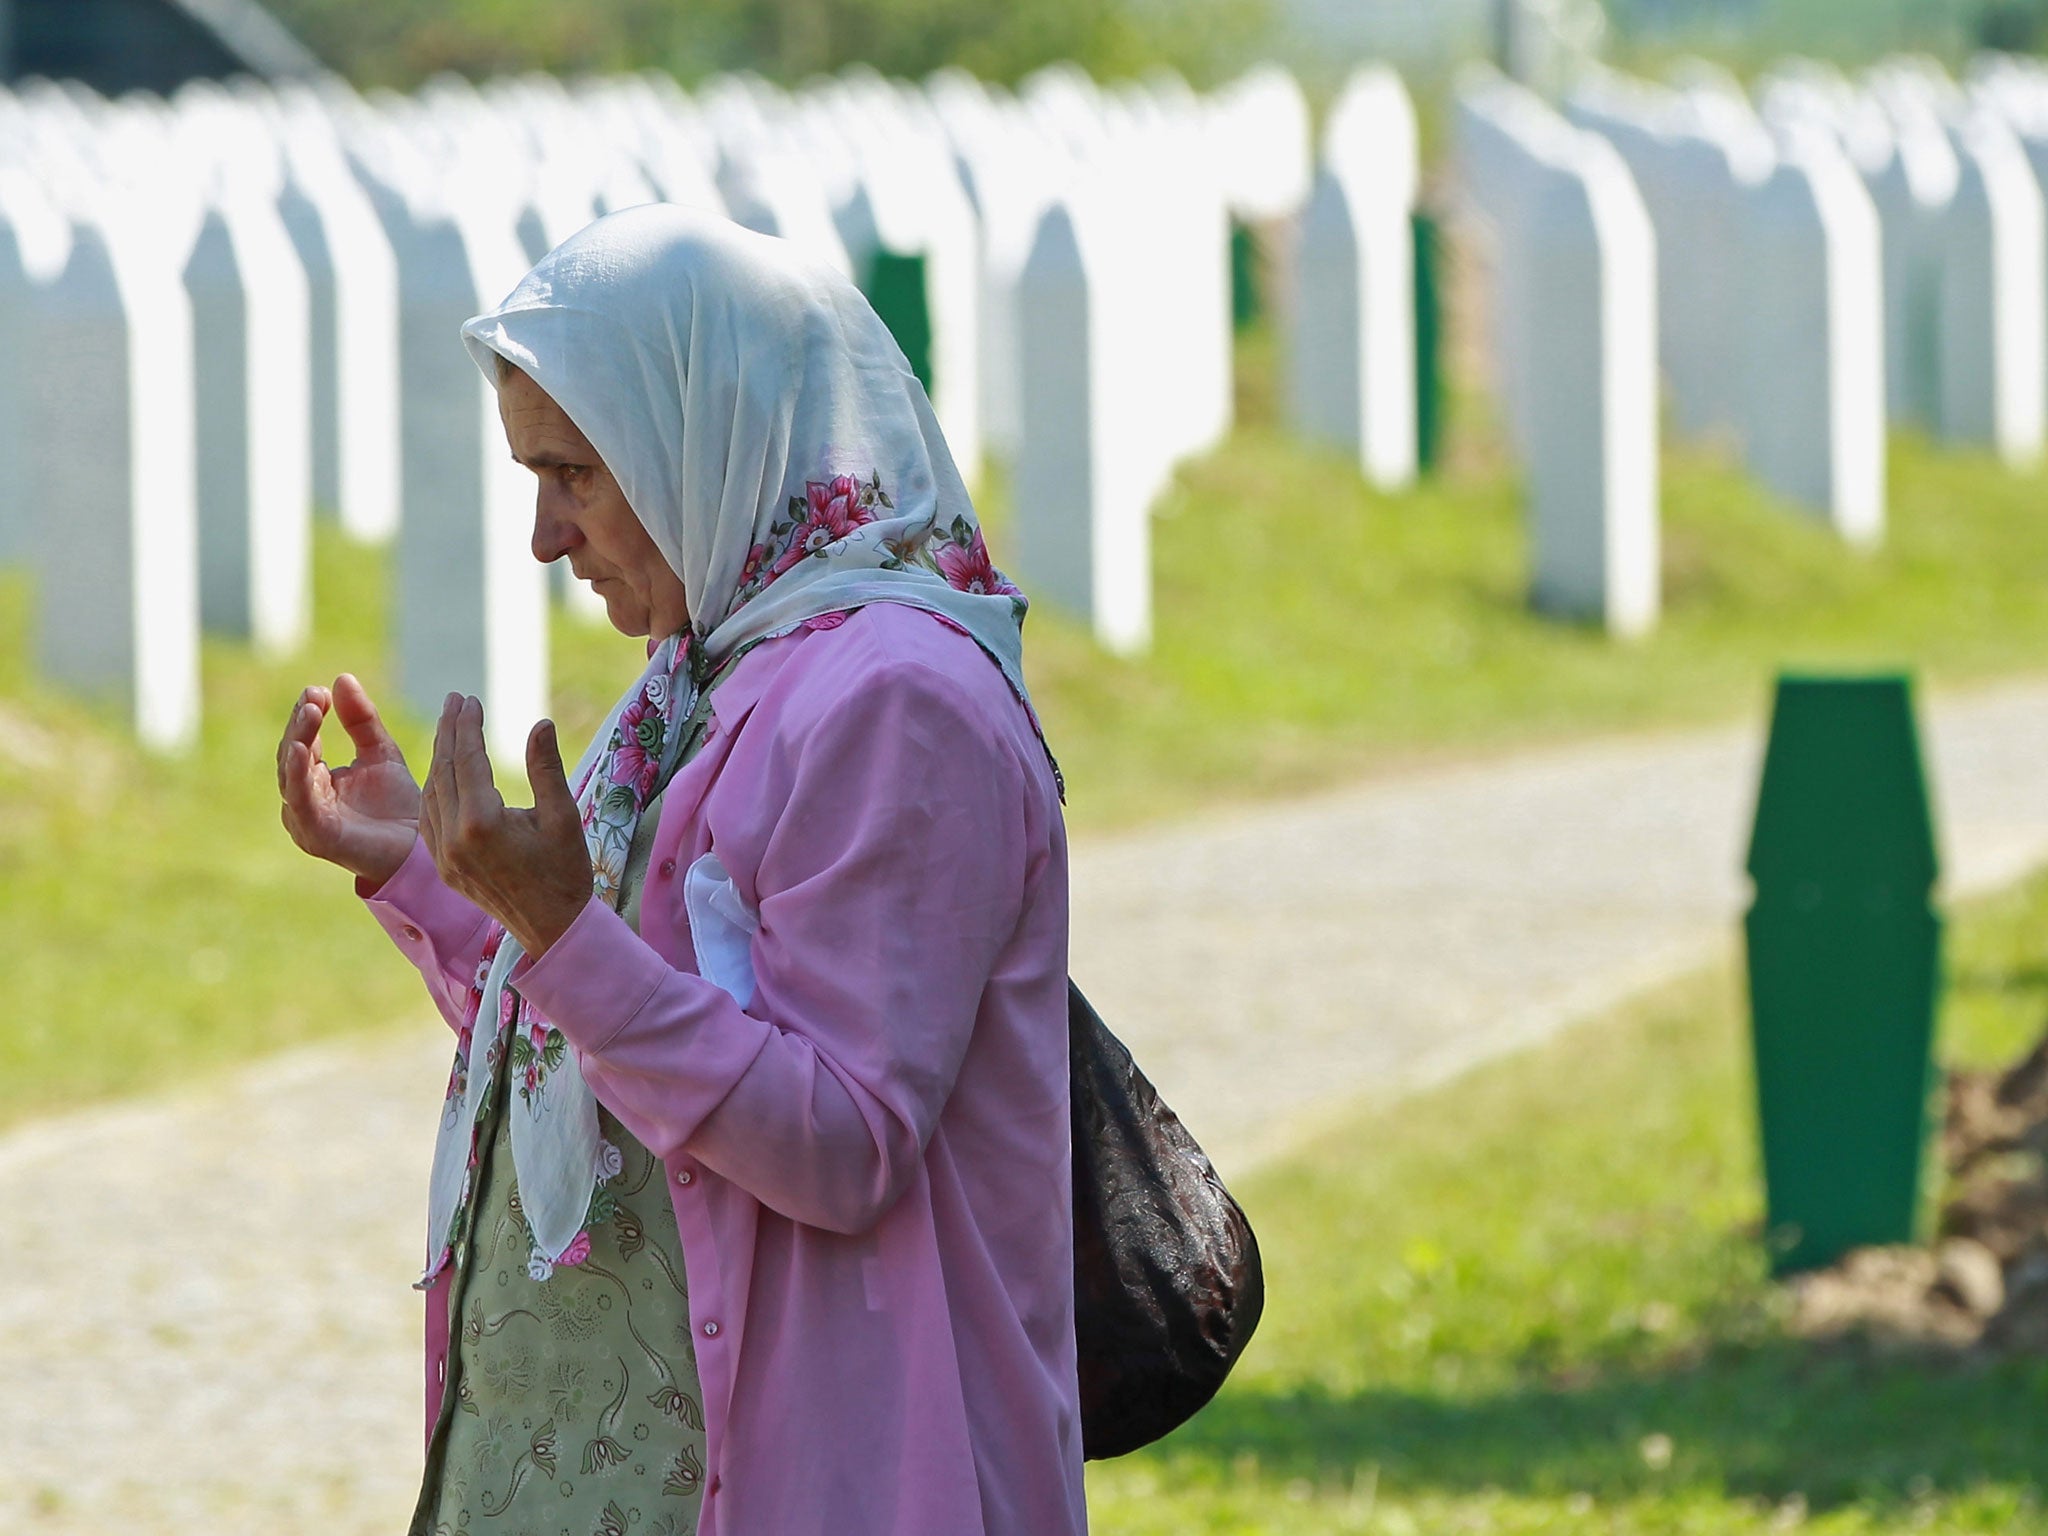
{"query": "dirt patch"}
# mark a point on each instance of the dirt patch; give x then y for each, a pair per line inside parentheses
(1983, 1286)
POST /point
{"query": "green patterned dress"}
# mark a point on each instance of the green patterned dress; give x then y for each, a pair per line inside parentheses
(572, 1404)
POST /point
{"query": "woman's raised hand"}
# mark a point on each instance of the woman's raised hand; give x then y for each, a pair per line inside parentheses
(364, 817)
(530, 869)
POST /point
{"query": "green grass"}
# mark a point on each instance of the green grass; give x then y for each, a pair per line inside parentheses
(1531, 1301)
(1309, 630)
(1308, 627)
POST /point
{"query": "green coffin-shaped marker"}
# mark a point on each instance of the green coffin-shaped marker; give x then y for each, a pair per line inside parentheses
(1844, 967)
(898, 289)
(1429, 384)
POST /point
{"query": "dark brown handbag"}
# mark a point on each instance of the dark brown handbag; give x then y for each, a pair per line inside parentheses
(1167, 1283)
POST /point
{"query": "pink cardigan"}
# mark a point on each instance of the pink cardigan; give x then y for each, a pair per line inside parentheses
(870, 1166)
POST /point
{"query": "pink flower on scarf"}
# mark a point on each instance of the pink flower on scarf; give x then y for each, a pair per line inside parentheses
(758, 559)
(835, 505)
(577, 1251)
(831, 509)
(969, 568)
(637, 760)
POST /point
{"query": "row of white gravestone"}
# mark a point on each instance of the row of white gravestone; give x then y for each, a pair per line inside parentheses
(1959, 201)
(1770, 320)
(1574, 264)
(277, 280)
(1849, 256)
(1125, 365)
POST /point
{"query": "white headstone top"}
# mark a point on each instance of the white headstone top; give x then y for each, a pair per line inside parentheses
(1993, 348)
(118, 573)
(1262, 138)
(252, 384)
(1082, 491)
(352, 292)
(1813, 337)
(35, 243)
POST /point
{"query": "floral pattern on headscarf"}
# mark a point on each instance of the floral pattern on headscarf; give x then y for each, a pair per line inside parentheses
(818, 525)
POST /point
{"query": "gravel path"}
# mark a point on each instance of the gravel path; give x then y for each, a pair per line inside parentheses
(246, 1359)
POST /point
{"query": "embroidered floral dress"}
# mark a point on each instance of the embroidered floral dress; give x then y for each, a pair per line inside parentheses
(572, 1400)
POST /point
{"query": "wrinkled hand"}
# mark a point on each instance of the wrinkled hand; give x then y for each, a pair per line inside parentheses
(364, 817)
(528, 868)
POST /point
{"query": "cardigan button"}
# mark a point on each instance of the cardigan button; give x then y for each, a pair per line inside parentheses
(411, 933)
(711, 1330)
(668, 867)
(684, 1176)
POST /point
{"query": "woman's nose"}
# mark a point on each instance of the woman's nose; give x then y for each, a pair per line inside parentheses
(554, 534)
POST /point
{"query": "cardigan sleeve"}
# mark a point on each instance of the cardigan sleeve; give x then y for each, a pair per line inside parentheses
(890, 879)
(438, 930)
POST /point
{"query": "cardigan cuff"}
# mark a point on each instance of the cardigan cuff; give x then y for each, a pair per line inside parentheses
(434, 927)
(594, 978)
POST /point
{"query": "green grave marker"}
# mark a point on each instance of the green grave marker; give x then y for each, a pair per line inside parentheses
(1247, 302)
(896, 287)
(1844, 967)
(1429, 324)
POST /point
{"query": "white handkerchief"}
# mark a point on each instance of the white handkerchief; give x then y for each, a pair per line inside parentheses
(722, 929)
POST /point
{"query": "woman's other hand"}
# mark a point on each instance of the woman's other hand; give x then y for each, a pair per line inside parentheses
(364, 817)
(528, 869)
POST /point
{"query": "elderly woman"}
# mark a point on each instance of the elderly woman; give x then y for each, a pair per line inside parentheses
(751, 1211)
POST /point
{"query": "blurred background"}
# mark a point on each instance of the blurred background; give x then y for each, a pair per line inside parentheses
(1469, 411)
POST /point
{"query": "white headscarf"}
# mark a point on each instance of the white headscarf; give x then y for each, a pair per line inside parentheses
(723, 377)
(769, 435)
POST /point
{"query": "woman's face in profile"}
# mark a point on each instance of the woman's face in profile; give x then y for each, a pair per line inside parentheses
(580, 512)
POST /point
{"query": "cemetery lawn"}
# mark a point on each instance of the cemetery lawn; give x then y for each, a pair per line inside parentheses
(1309, 629)
(159, 925)
(1529, 1302)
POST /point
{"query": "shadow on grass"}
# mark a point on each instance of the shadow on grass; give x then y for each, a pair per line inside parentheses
(1764, 1421)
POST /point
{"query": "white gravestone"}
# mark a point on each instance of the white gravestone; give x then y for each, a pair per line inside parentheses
(2024, 98)
(471, 600)
(252, 384)
(1151, 237)
(352, 291)
(1577, 291)
(1912, 188)
(1994, 335)
(1351, 370)
(1814, 337)
(1009, 175)
(1591, 330)
(35, 241)
(1499, 129)
(1352, 349)
(1720, 153)
(1083, 526)
(118, 572)
(1191, 254)
(1262, 139)
(1693, 158)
